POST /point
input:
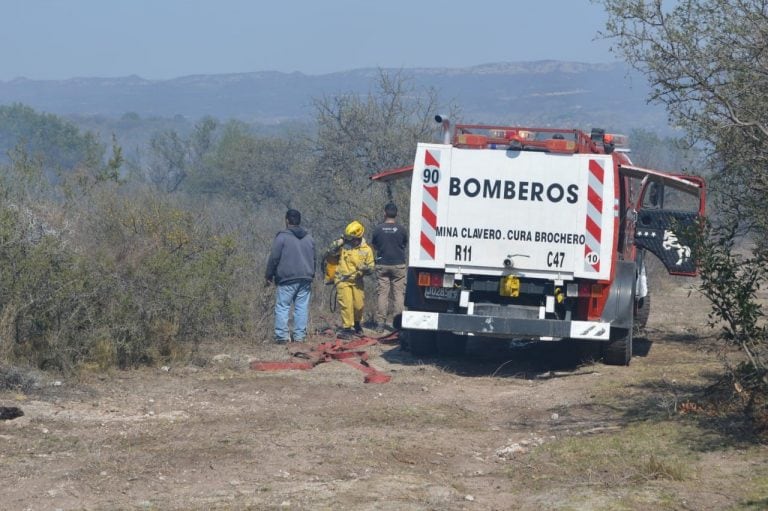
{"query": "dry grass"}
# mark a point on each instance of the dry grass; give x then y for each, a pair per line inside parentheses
(633, 454)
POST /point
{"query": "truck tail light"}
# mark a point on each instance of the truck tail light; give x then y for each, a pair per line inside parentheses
(430, 279)
(596, 290)
(592, 296)
(591, 290)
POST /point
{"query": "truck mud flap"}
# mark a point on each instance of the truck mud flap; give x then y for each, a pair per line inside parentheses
(621, 300)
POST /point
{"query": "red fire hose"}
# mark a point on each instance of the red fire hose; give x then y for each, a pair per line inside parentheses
(305, 358)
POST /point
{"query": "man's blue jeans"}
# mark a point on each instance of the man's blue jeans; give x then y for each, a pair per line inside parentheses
(297, 293)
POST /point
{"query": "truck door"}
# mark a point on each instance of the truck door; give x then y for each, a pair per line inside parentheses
(667, 207)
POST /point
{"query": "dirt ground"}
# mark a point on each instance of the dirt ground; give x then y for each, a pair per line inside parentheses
(509, 427)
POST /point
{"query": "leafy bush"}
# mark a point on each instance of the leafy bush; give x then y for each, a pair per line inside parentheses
(731, 280)
(167, 275)
(111, 275)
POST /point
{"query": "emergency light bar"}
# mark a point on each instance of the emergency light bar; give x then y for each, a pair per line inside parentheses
(620, 142)
(553, 140)
(514, 139)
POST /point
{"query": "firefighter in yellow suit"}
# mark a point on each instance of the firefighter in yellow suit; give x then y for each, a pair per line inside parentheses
(355, 261)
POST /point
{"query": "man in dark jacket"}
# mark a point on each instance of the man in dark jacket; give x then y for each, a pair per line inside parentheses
(390, 241)
(291, 266)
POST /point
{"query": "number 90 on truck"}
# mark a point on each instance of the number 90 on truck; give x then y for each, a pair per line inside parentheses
(523, 233)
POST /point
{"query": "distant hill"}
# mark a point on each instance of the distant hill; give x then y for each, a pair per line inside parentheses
(565, 94)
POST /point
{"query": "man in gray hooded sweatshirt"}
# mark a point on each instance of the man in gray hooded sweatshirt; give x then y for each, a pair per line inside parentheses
(291, 266)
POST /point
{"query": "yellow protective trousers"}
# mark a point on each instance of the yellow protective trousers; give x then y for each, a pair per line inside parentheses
(351, 298)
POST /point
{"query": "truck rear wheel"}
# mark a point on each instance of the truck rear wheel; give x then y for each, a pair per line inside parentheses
(420, 342)
(618, 351)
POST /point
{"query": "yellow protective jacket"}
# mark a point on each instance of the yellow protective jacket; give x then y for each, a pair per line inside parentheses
(354, 262)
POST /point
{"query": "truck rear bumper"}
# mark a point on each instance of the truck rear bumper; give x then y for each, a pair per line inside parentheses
(511, 327)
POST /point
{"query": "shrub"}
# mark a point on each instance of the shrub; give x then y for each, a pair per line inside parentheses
(116, 278)
(731, 279)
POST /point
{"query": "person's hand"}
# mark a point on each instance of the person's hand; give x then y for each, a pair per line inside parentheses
(267, 282)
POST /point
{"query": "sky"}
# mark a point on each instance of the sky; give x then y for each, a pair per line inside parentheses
(162, 39)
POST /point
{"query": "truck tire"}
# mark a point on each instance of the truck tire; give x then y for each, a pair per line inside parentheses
(420, 342)
(618, 351)
(452, 345)
(642, 311)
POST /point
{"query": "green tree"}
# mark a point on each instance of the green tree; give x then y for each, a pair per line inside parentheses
(663, 153)
(707, 63)
(56, 142)
(174, 157)
(249, 168)
(361, 135)
(170, 163)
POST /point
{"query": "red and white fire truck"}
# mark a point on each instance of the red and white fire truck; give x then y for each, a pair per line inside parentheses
(537, 234)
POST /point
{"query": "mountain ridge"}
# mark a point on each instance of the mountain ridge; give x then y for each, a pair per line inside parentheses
(516, 66)
(546, 91)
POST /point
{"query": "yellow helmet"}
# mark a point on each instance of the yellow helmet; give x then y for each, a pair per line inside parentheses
(354, 230)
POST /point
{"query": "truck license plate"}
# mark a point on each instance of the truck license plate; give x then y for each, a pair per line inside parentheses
(442, 293)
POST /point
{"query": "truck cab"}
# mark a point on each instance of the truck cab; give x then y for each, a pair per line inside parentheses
(537, 234)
